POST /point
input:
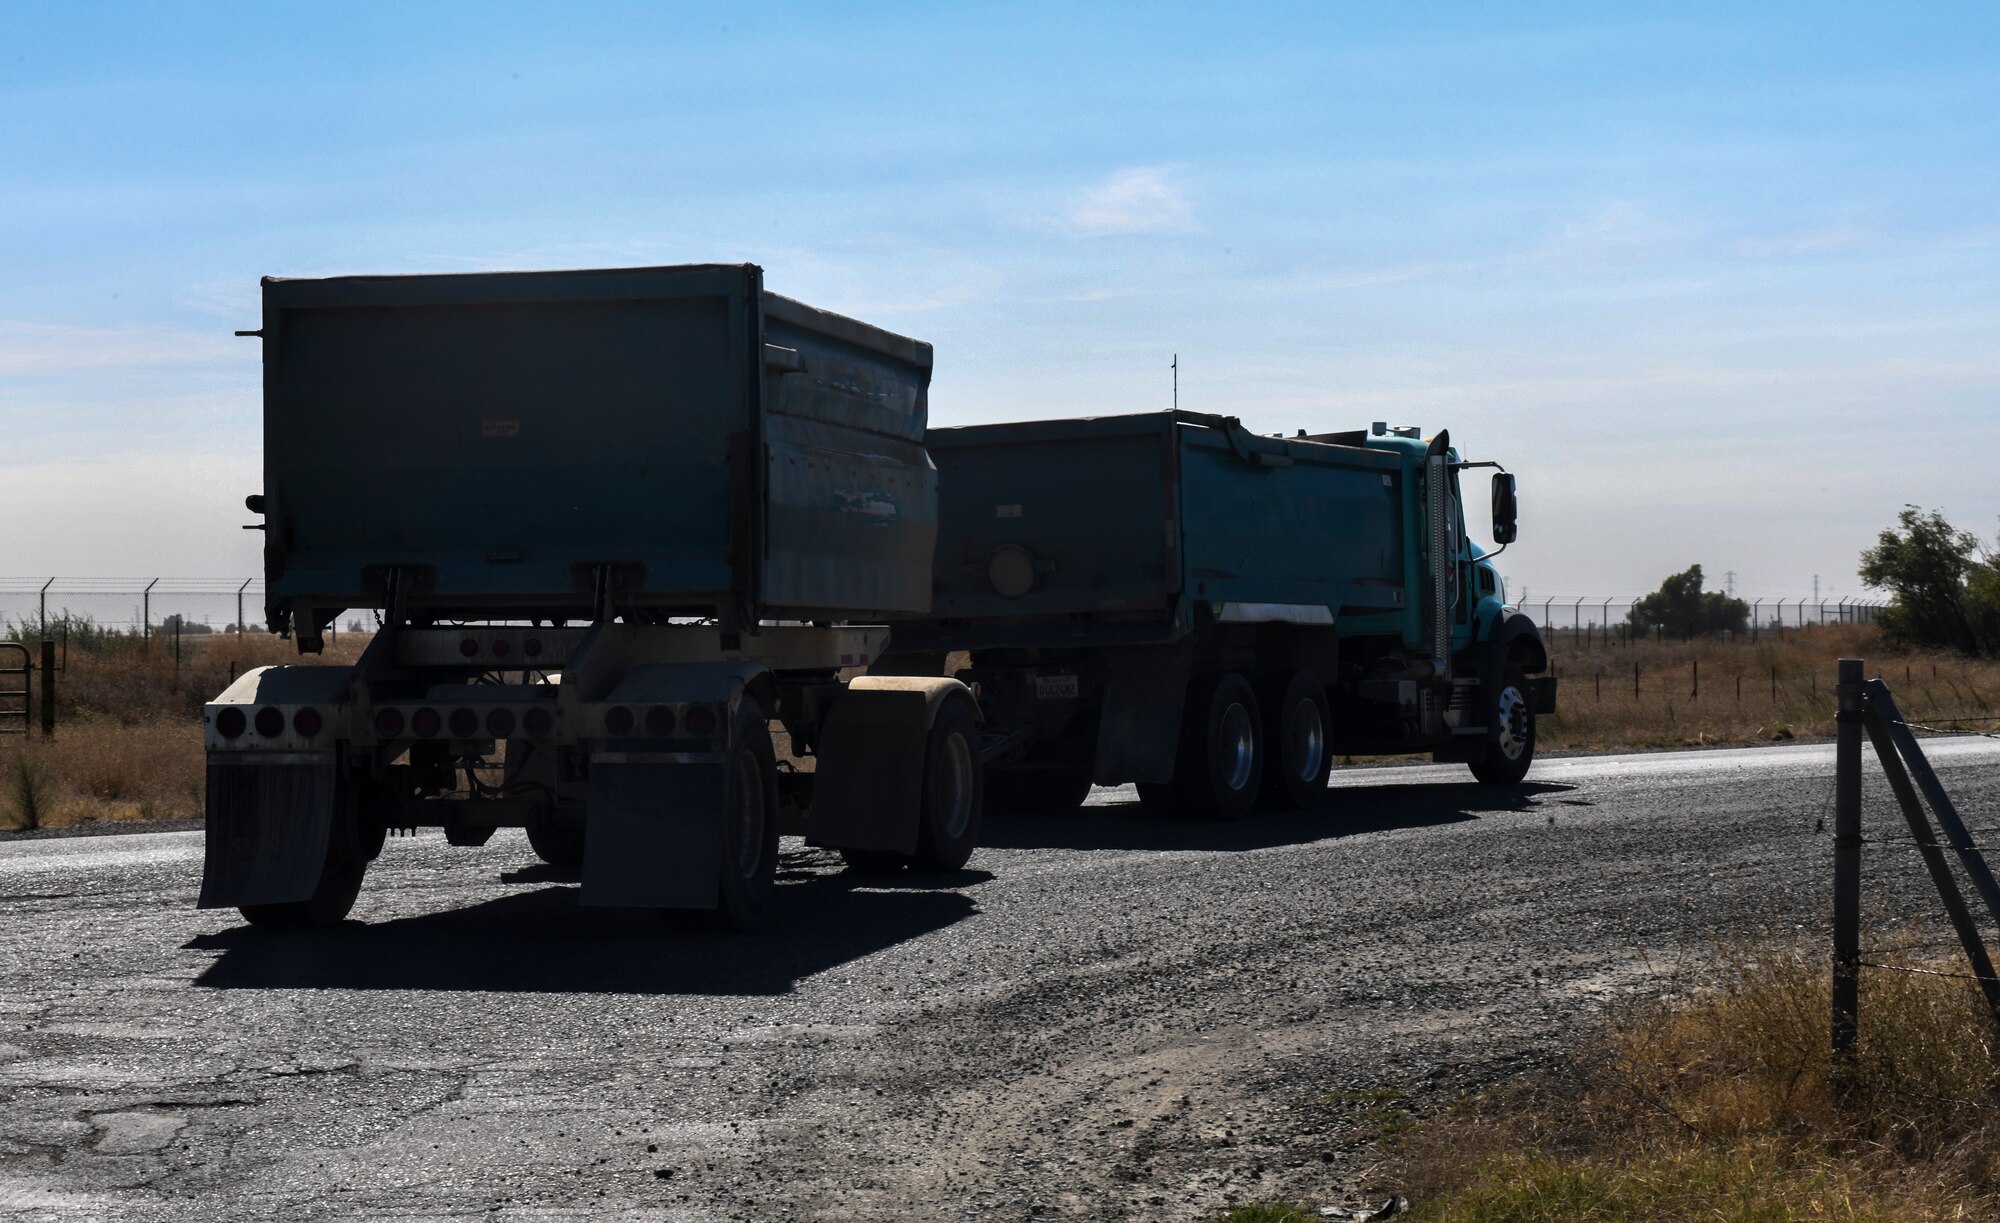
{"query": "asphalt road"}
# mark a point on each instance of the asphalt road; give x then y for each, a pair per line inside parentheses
(1109, 1016)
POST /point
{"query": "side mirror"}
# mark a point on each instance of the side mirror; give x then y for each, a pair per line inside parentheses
(1505, 509)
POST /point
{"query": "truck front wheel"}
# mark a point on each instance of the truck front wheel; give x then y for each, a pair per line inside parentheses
(1510, 733)
(1221, 764)
(750, 822)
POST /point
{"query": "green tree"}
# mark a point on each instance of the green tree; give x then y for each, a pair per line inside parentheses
(1681, 608)
(1943, 589)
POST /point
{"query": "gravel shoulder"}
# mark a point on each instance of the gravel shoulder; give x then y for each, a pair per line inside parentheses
(1109, 1016)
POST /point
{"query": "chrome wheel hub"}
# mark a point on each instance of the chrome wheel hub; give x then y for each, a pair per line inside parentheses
(1511, 718)
(1236, 749)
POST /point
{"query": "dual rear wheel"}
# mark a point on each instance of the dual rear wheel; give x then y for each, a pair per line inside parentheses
(1236, 750)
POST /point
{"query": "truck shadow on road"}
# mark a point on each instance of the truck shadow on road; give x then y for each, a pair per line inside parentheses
(542, 941)
(1349, 810)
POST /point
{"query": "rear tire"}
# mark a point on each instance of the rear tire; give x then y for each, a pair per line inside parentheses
(329, 904)
(750, 822)
(954, 790)
(1297, 761)
(557, 840)
(1220, 768)
(1510, 733)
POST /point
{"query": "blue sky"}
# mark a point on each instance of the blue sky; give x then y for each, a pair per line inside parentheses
(1720, 288)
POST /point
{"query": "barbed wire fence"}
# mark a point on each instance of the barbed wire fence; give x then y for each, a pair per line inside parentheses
(142, 605)
(1582, 622)
(137, 606)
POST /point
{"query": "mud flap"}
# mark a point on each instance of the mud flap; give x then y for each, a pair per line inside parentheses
(868, 783)
(269, 817)
(1541, 695)
(1138, 733)
(655, 832)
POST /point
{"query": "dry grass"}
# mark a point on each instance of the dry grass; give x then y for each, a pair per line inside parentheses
(128, 731)
(1720, 1107)
(1707, 693)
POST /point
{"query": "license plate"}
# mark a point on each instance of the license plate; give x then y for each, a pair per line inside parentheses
(1055, 687)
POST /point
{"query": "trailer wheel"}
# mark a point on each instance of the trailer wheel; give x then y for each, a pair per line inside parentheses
(954, 790)
(354, 840)
(330, 903)
(1510, 734)
(1296, 766)
(1220, 768)
(750, 822)
(1053, 791)
(557, 839)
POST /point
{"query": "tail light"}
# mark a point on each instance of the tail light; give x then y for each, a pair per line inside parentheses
(660, 721)
(618, 721)
(464, 723)
(468, 647)
(532, 647)
(500, 723)
(426, 722)
(230, 722)
(538, 723)
(270, 722)
(701, 721)
(388, 723)
(307, 723)
(500, 647)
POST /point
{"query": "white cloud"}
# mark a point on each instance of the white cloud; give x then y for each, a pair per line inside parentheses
(1813, 241)
(49, 348)
(1135, 200)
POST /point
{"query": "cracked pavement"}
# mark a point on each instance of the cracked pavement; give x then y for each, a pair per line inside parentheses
(1109, 1015)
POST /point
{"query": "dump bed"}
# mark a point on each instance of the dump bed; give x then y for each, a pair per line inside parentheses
(1134, 528)
(506, 444)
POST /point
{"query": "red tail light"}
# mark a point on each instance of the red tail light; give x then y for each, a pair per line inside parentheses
(270, 722)
(618, 722)
(388, 723)
(464, 724)
(468, 647)
(426, 722)
(660, 721)
(700, 721)
(231, 722)
(500, 723)
(308, 723)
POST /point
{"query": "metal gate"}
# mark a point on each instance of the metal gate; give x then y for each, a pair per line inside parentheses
(14, 685)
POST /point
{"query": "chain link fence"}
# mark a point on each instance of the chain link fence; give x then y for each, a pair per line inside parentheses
(1580, 622)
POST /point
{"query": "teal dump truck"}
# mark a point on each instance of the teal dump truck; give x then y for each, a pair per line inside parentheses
(1173, 600)
(613, 526)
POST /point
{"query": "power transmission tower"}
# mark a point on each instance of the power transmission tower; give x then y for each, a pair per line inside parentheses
(1729, 583)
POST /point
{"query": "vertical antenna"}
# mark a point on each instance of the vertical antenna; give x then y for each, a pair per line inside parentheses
(1176, 367)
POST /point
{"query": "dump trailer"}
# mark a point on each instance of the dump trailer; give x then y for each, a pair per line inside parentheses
(613, 526)
(1173, 600)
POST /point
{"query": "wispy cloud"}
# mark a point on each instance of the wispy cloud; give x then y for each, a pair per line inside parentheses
(1808, 242)
(1135, 200)
(52, 348)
